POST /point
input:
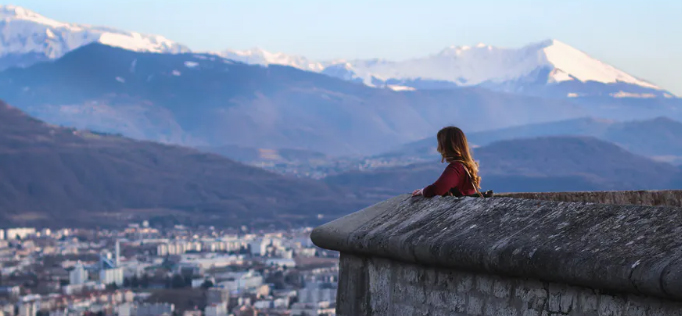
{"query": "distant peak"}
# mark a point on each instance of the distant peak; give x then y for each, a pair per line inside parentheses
(456, 50)
(19, 13)
(257, 50)
(11, 11)
(543, 44)
(246, 52)
(664, 119)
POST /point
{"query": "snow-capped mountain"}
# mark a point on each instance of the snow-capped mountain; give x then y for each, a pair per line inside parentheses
(28, 37)
(259, 56)
(548, 68)
(467, 66)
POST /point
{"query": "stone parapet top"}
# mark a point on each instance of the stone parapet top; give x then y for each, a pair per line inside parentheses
(650, 198)
(623, 248)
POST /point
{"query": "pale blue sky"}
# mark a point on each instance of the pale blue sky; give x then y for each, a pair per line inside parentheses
(640, 37)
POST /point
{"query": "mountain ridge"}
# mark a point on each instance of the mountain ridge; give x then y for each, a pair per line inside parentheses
(205, 100)
(557, 163)
(655, 138)
(30, 38)
(63, 176)
(547, 68)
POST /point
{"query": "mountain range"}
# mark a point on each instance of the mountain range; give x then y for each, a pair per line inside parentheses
(148, 87)
(28, 38)
(205, 100)
(548, 68)
(108, 112)
(657, 138)
(56, 176)
(61, 176)
(544, 164)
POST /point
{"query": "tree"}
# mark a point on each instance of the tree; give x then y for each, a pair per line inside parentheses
(188, 280)
(177, 281)
(207, 284)
(134, 282)
(126, 282)
(145, 281)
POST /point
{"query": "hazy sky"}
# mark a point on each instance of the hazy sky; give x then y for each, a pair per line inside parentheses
(640, 37)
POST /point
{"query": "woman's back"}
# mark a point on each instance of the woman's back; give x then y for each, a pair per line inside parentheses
(455, 179)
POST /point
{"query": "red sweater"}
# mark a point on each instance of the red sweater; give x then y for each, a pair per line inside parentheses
(454, 176)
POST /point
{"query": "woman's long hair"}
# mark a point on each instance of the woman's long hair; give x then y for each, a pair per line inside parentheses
(453, 146)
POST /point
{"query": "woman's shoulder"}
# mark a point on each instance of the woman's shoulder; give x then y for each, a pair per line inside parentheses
(455, 166)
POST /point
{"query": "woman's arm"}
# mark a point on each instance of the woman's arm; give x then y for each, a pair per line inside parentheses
(448, 180)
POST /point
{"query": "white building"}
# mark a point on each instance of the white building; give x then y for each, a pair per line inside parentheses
(282, 302)
(203, 262)
(281, 262)
(2, 234)
(29, 309)
(111, 276)
(217, 295)
(263, 304)
(219, 309)
(304, 309)
(314, 293)
(78, 275)
(259, 246)
(287, 253)
(12, 291)
(241, 281)
(126, 309)
(13, 233)
(156, 309)
(110, 272)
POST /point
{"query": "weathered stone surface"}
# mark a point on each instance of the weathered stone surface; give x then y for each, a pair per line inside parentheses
(396, 288)
(649, 198)
(622, 248)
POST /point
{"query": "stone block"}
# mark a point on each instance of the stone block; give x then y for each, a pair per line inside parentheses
(380, 285)
(611, 305)
(530, 312)
(484, 283)
(496, 307)
(588, 301)
(474, 305)
(531, 293)
(456, 302)
(561, 298)
(502, 288)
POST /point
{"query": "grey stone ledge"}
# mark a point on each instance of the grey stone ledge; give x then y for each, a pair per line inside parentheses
(623, 248)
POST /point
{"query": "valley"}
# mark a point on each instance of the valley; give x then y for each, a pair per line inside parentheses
(121, 124)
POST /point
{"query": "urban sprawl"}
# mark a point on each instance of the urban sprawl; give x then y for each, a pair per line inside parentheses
(145, 271)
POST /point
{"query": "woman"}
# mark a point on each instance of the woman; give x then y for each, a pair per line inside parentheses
(461, 175)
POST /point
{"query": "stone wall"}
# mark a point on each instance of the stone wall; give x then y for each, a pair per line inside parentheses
(510, 256)
(649, 198)
(376, 286)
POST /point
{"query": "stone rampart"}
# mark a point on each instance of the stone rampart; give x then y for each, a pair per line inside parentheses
(554, 254)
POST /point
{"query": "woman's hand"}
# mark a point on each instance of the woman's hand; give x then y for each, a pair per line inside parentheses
(418, 192)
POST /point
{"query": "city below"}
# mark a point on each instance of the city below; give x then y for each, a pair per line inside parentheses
(146, 271)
